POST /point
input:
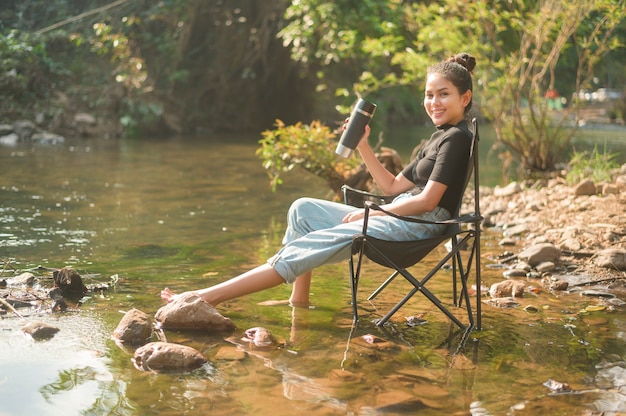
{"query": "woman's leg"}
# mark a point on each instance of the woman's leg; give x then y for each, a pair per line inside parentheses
(300, 290)
(260, 278)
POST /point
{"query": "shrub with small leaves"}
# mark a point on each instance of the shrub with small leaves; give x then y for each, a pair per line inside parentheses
(308, 146)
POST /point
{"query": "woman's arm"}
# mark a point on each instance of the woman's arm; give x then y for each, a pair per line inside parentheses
(425, 201)
(389, 184)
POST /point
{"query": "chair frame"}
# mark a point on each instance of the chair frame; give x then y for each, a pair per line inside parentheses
(462, 239)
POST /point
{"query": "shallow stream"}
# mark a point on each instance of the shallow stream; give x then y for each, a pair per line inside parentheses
(187, 213)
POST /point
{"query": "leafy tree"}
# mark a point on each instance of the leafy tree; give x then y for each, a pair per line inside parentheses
(519, 46)
(172, 65)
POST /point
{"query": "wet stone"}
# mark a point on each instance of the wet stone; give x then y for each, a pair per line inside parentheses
(507, 288)
(40, 330)
(559, 285)
(514, 273)
(167, 357)
(507, 302)
(190, 312)
(135, 328)
(374, 342)
(24, 279)
(540, 253)
(70, 282)
(259, 337)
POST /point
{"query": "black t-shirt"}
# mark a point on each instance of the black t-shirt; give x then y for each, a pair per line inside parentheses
(444, 158)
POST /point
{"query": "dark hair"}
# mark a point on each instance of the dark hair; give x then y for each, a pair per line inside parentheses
(458, 70)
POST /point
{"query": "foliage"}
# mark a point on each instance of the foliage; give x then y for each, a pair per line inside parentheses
(130, 69)
(329, 39)
(596, 166)
(139, 115)
(308, 146)
(519, 47)
(204, 64)
(516, 102)
(24, 71)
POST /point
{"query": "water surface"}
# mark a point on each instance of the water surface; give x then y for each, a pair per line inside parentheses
(192, 212)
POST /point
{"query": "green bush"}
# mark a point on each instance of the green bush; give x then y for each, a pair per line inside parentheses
(22, 68)
(308, 146)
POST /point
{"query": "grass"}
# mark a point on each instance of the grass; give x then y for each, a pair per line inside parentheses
(594, 165)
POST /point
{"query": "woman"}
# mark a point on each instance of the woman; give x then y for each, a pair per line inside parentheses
(430, 187)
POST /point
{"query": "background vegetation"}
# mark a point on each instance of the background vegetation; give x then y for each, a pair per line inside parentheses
(186, 66)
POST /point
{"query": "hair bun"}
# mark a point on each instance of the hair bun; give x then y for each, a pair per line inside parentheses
(464, 59)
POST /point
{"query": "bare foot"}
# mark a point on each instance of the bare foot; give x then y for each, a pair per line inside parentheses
(300, 304)
(167, 295)
(273, 302)
(305, 305)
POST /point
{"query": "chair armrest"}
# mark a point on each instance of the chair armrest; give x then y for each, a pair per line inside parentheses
(461, 219)
(358, 197)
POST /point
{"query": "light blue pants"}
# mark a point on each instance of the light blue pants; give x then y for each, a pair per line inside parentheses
(315, 234)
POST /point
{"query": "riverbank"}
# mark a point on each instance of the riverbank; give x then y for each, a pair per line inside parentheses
(586, 222)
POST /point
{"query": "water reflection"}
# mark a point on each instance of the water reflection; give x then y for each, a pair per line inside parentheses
(190, 213)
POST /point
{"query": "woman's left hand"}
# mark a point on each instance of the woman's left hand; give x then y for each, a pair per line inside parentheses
(354, 216)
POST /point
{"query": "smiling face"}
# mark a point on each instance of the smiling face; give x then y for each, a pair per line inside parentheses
(443, 102)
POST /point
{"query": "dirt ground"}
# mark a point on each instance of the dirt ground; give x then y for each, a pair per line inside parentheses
(582, 225)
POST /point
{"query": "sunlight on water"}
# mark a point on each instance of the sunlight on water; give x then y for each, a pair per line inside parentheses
(187, 213)
(67, 372)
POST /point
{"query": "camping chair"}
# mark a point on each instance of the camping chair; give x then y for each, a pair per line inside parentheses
(463, 231)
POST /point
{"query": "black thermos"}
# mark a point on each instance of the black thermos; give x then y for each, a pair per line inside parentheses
(360, 117)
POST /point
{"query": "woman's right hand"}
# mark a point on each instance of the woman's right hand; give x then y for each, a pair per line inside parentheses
(366, 134)
(364, 142)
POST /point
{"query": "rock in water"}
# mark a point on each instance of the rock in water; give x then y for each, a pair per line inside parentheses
(259, 337)
(40, 330)
(135, 328)
(189, 312)
(70, 283)
(167, 357)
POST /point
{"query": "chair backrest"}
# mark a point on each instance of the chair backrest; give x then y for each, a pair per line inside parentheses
(472, 167)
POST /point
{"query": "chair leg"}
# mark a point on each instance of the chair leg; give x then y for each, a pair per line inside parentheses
(353, 289)
(355, 273)
(459, 296)
(419, 286)
(384, 285)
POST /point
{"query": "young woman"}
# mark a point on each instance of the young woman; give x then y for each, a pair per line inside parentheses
(430, 187)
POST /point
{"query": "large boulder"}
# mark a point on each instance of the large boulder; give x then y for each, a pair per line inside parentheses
(190, 312)
(167, 357)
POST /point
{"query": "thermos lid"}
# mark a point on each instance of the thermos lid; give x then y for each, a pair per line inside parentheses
(365, 107)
